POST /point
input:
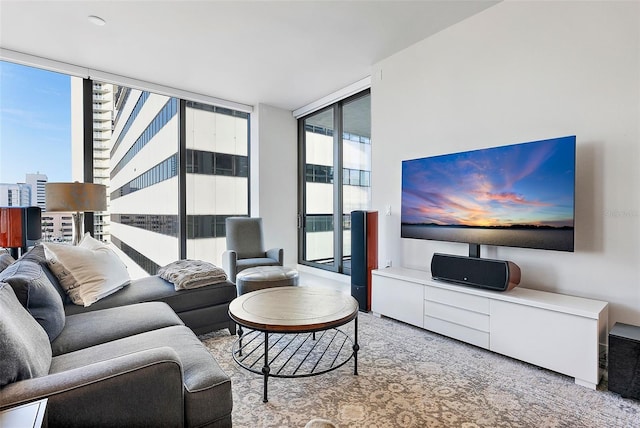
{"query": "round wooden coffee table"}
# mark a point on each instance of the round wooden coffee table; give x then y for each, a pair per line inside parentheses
(294, 331)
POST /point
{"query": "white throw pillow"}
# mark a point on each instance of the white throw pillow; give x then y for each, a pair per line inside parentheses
(87, 272)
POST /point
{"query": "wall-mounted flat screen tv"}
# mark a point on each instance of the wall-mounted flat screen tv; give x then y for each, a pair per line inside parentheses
(520, 195)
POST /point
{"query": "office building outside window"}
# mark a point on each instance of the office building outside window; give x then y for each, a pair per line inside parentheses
(217, 176)
(145, 177)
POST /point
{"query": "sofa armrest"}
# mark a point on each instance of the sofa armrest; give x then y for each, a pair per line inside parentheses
(144, 387)
(229, 259)
(276, 254)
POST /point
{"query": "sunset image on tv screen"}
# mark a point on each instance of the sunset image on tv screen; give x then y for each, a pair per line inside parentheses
(521, 187)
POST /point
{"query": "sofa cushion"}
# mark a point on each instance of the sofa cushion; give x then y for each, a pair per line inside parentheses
(5, 260)
(36, 294)
(88, 272)
(96, 327)
(36, 255)
(154, 288)
(207, 387)
(24, 345)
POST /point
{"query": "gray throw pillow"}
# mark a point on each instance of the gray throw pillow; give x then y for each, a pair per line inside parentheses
(36, 294)
(36, 255)
(24, 346)
(5, 260)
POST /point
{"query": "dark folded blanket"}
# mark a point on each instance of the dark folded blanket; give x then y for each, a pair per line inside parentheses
(186, 274)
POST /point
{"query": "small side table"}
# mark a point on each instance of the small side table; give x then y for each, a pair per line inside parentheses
(25, 416)
(624, 360)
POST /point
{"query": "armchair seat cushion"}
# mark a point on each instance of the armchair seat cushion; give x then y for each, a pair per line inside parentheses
(243, 264)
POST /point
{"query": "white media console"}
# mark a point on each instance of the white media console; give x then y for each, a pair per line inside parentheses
(558, 332)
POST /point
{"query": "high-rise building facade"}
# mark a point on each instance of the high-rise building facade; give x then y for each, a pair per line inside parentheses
(57, 227)
(103, 118)
(144, 177)
(15, 195)
(38, 196)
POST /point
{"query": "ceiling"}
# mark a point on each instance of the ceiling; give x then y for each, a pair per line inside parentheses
(282, 53)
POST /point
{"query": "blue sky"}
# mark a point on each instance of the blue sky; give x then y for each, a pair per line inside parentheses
(35, 123)
(530, 183)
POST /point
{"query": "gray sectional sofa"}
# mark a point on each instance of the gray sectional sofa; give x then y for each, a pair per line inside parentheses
(130, 359)
(201, 309)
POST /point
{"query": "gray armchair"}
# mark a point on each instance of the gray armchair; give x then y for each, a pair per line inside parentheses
(245, 247)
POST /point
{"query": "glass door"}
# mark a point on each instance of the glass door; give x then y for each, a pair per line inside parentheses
(356, 166)
(335, 165)
(316, 222)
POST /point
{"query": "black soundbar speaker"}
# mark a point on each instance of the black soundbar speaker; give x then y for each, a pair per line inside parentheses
(499, 275)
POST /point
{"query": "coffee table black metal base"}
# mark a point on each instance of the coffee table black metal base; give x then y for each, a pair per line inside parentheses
(294, 332)
(295, 355)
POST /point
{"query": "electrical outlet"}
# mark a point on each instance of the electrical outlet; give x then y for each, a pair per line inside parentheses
(387, 210)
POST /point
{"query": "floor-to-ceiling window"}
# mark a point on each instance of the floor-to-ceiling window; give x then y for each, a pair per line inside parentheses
(335, 170)
(174, 169)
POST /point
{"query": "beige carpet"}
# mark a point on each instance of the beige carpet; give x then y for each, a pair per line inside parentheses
(410, 377)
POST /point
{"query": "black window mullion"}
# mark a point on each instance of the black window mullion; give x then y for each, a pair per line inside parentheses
(182, 180)
(87, 119)
(337, 187)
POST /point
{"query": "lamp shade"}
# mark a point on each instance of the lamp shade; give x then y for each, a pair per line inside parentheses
(76, 197)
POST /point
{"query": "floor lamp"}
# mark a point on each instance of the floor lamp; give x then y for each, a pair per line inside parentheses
(76, 198)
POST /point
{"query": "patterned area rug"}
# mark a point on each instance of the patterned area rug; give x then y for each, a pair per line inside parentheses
(409, 377)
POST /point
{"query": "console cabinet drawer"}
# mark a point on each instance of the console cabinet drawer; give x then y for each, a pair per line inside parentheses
(475, 320)
(457, 331)
(460, 300)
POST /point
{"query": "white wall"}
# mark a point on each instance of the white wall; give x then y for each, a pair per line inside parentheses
(516, 72)
(274, 178)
